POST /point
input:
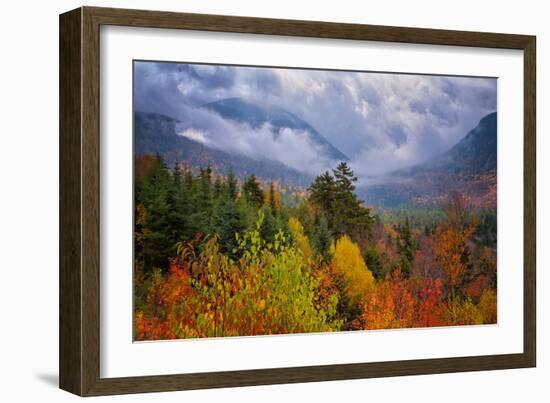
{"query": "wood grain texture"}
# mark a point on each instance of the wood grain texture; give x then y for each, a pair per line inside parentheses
(80, 201)
(70, 275)
(530, 203)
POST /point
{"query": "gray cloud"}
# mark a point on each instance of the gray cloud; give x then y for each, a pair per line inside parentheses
(382, 121)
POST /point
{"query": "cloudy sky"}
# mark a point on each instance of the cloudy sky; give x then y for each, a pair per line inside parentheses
(380, 121)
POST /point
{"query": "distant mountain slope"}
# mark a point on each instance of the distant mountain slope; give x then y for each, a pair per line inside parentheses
(475, 153)
(156, 134)
(468, 167)
(239, 110)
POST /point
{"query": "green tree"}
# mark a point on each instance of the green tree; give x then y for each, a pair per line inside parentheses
(321, 239)
(374, 263)
(272, 203)
(405, 248)
(350, 216)
(227, 223)
(252, 191)
(269, 227)
(178, 226)
(231, 185)
(322, 194)
(218, 187)
(203, 202)
(153, 243)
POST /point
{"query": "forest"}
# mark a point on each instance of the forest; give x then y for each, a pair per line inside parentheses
(218, 255)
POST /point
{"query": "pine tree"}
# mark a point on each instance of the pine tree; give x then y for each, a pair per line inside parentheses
(350, 216)
(218, 187)
(322, 194)
(405, 248)
(178, 205)
(252, 191)
(374, 263)
(345, 178)
(269, 227)
(203, 202)
(231, 185)
(322, 240)
(272, 203)
(152, 204)
(226, 224)
(336, 200)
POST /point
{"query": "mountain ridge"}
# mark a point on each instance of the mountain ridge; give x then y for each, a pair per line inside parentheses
(467, 167)
(239, 110)
(156, 134)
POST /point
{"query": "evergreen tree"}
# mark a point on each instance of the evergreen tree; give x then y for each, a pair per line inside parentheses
(322, 194)
(405, 248)
(335, 198)
(188, 178)
(153, 243)
(322, 240)
(269, 226)
(345, 179)
(218, 187)
(203, 202)
(252, 191)
(272, 203)
(178, 204)
(231, 185)
(349, 215)
(227, 223)
(374, 263)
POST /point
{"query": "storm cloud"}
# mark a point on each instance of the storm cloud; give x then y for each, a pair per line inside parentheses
(381, 121)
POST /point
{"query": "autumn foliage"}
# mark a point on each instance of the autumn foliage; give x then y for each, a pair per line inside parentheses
(215, 257)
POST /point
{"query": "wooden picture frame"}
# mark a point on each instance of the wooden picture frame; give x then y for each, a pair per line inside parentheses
(79, 346)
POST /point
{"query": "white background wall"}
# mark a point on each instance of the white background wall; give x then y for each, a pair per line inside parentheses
(29, 198)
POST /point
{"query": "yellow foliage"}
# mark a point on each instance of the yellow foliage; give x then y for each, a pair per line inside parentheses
(301, 239)
(488, 306)
(463, 312)
(349, 263)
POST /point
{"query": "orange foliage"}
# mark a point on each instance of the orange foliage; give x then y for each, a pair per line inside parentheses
(389, 305)
(449, 248)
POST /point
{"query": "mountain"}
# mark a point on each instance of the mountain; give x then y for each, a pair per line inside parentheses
(156, 134)
(475, 153)
(239, 110)
(468, 167)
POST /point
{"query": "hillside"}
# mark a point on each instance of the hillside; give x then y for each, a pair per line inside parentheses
(156, 134)
(468, 167)
(238, 110)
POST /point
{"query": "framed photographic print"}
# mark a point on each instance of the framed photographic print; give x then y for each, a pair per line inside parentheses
(250, 201)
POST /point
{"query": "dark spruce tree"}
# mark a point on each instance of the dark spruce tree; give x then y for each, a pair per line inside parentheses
(218, 187)
(321, 239)
(231, 185)
(153, 243)
(269, 226)
(178, 227)
(336, 199)
(374, 263)
(349, 216)
(405, 248)
(252, 192)
(322, 194)
(227, 223)
(203, 202)
(272, 203)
